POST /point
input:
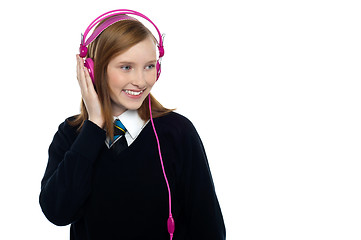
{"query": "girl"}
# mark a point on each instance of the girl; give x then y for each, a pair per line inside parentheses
(108, 179)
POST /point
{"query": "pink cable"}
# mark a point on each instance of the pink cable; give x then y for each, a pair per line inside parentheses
(170, 222)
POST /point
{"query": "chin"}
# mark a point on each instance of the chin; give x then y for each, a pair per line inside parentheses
(125, 102)
(119, 108)
(134, 107)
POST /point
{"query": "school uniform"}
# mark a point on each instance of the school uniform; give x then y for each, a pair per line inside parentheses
(108, 195)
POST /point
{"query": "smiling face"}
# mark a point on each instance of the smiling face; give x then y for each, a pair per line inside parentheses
(131, 76)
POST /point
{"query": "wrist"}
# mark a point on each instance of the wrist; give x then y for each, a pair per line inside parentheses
(98, 122)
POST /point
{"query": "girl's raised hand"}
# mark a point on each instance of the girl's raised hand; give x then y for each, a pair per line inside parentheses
(89, 95)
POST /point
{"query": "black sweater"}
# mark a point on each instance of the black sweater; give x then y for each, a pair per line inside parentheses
(104, 196)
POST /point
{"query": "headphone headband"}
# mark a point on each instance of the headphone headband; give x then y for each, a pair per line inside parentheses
(120, 16)
(105, 25)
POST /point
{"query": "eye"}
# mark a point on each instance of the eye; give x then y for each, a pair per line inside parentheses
(126, 67)
(151, 66)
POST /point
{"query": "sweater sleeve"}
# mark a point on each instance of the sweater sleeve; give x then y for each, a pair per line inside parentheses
(66, 182)
(204, 216)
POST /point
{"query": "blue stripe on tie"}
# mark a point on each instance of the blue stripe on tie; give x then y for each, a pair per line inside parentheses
(115, 137)
(120, 125)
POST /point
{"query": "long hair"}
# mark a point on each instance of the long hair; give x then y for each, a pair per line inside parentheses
(115, 40)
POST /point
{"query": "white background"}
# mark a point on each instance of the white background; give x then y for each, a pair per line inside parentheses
(273, 88)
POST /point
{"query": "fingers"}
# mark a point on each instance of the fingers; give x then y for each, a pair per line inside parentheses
(89, 95)
(80, 74)
(84, 79)
(83, 76)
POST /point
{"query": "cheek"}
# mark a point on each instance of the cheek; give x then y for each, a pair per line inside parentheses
(115, 81)
(151, 80)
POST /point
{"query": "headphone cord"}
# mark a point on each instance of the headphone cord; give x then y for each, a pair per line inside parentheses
(170, 222)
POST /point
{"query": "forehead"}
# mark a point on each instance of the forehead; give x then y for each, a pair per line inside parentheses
(145, 50)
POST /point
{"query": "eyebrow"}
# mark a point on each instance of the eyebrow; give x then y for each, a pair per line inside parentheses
(132, 63)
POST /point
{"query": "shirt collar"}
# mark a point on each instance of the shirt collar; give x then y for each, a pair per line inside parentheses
(132, 122)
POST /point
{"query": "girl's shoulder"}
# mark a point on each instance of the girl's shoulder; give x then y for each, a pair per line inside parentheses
(174, 119)
(68, 129)
(175, 123)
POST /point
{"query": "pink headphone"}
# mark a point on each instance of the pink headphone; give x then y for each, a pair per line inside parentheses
(119, 15)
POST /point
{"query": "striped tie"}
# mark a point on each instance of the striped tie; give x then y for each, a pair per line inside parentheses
(119, 142)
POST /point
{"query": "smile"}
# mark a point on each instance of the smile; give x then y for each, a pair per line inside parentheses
(133, 93)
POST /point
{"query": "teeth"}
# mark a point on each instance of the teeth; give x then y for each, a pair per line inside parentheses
(132, 92)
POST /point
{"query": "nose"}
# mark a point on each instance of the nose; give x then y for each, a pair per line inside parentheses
(139, 79)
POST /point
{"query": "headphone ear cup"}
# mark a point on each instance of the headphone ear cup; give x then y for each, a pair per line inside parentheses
(89, 64)
(158, 67)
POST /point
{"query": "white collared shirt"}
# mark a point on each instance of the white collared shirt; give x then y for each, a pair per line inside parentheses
(133, 123)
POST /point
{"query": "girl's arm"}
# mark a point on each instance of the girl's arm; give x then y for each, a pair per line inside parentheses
(66, 182)
(205, 220)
